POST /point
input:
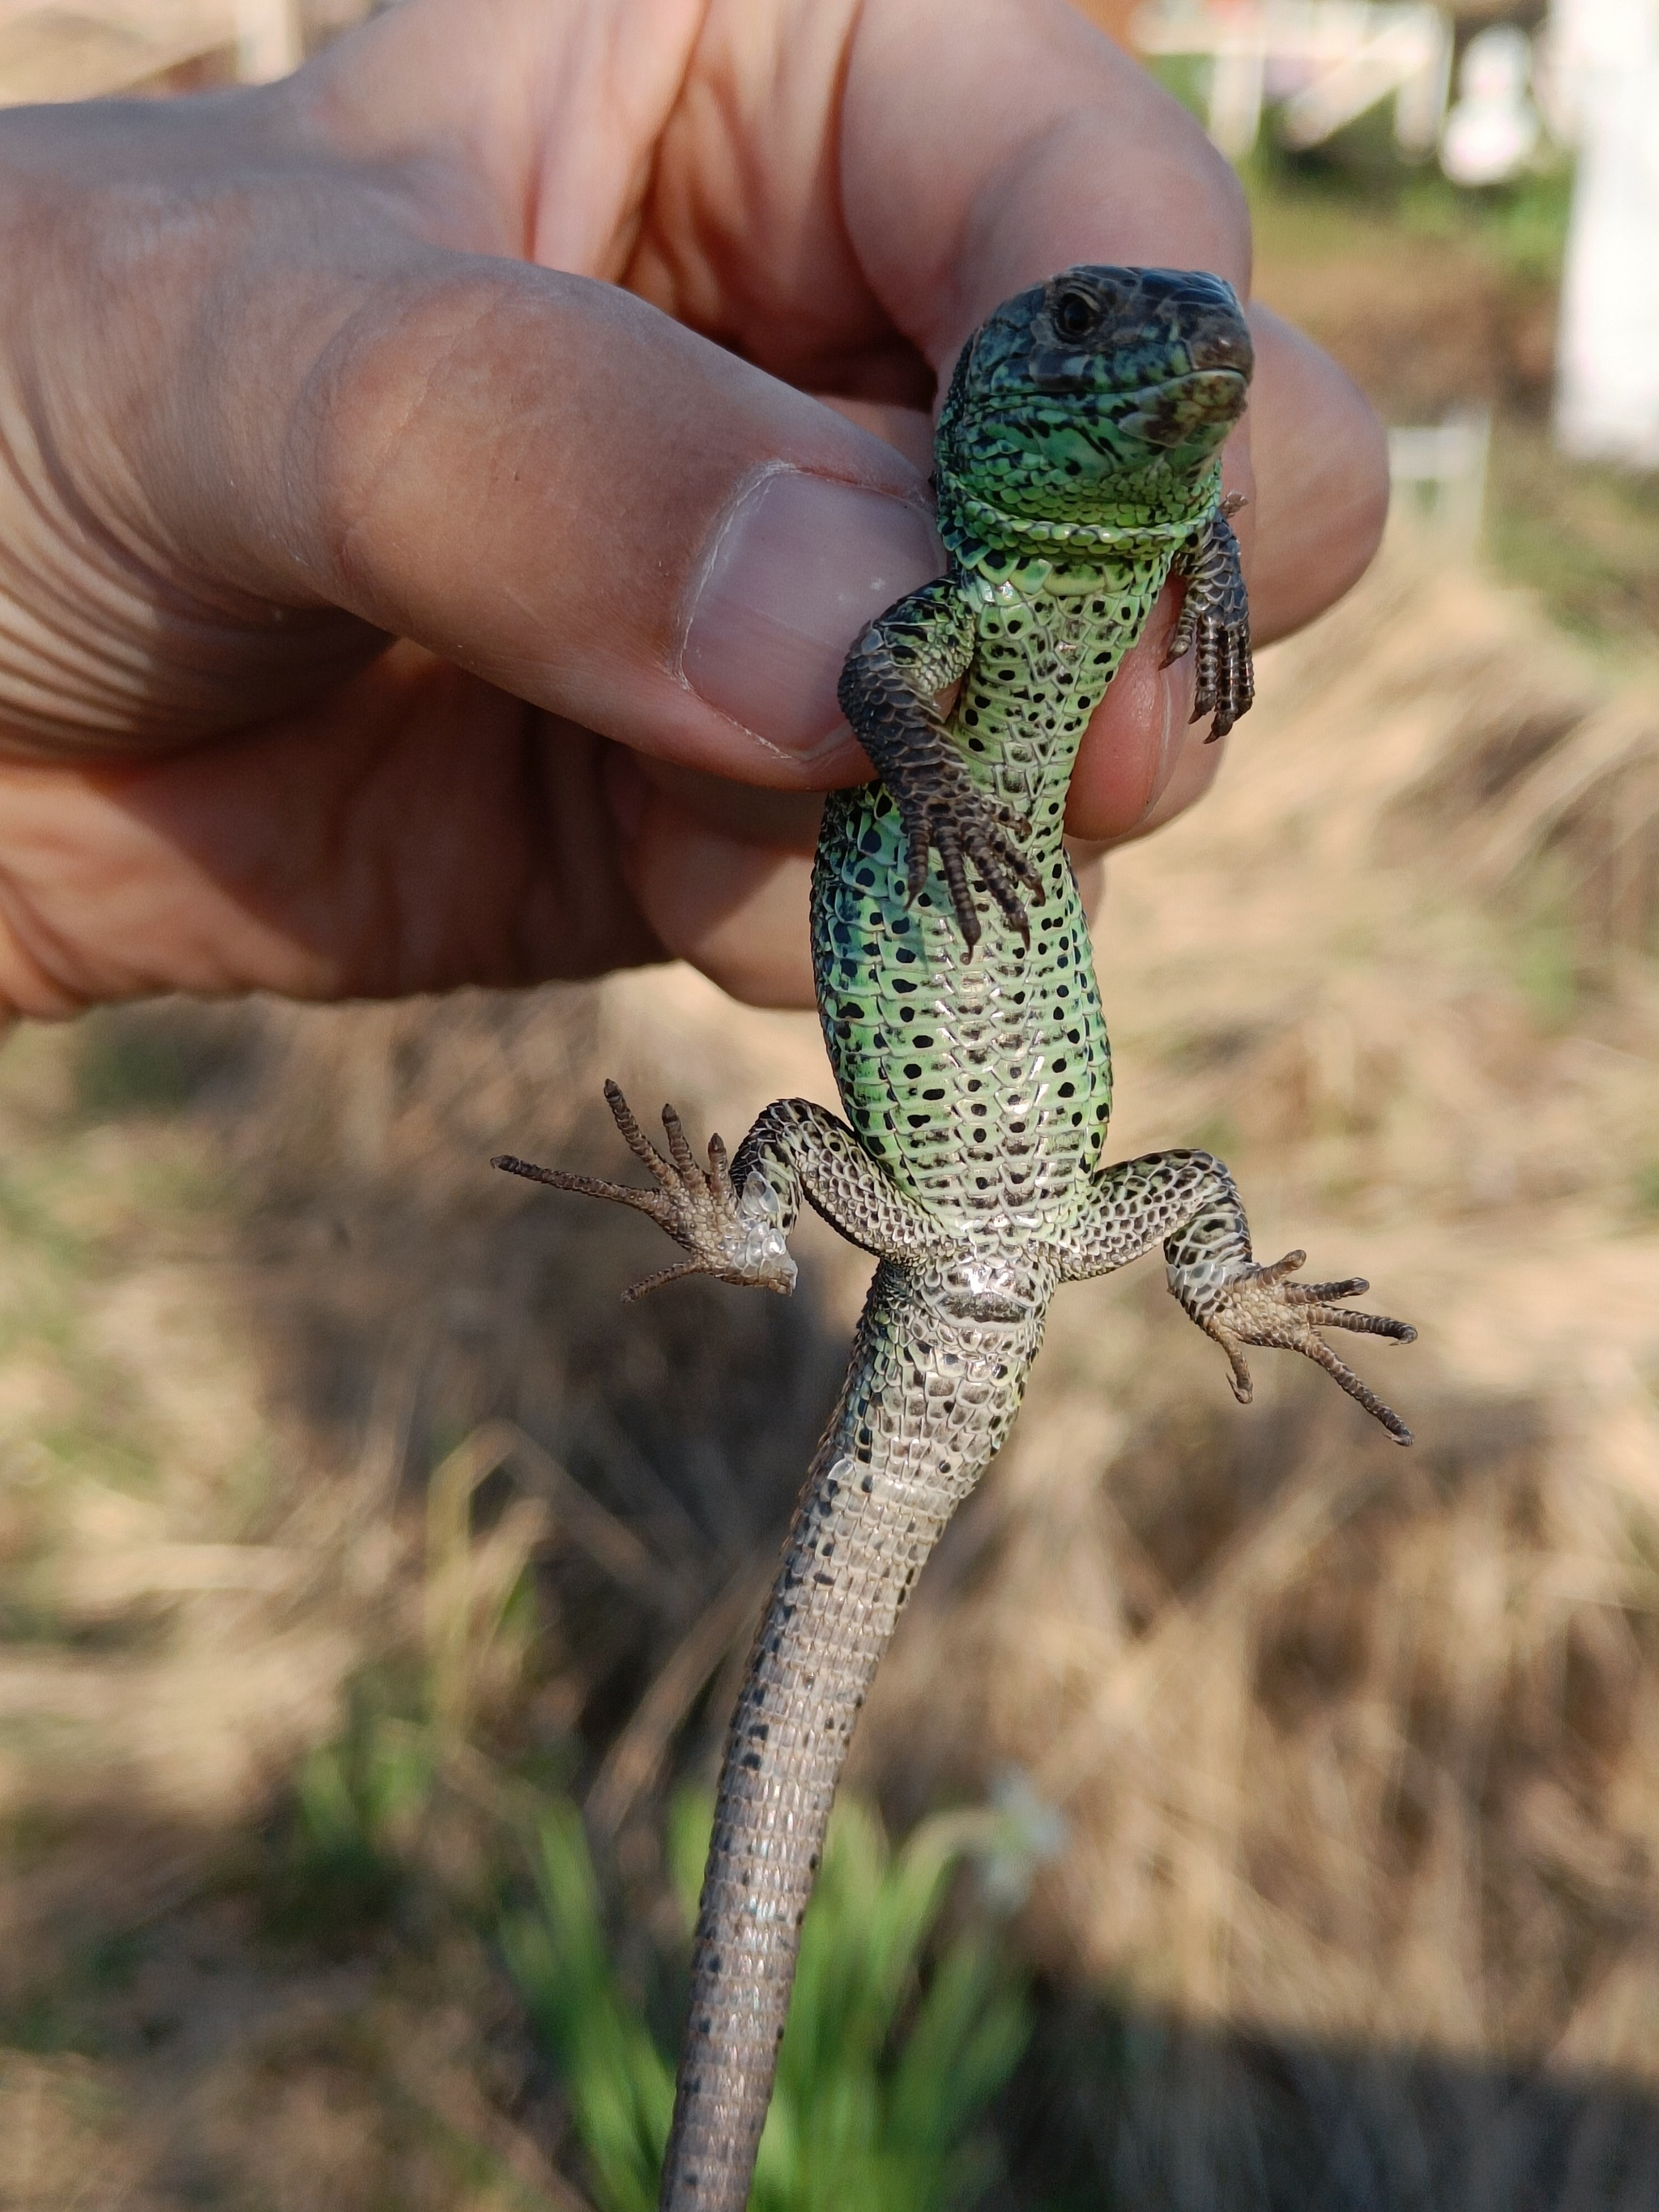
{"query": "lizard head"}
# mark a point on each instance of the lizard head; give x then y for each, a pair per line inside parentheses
(1102, 387)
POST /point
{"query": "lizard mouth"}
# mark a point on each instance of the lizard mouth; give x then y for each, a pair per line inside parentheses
(1166, 414)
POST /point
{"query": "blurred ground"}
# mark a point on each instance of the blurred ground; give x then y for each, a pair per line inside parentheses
(343, 1513)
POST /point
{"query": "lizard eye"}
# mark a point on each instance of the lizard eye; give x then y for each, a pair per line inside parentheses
(1075, 314)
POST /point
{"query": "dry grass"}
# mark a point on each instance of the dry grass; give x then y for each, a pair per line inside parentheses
(1357, 1751)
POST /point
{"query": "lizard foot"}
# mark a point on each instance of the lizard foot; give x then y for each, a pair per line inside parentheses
(953, 818)
(737, 1236)
(1215, 623)
(1260, 1307)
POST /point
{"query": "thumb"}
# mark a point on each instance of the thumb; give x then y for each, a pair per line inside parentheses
(559, 487)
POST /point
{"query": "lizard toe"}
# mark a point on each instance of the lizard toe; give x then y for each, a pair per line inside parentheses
(1261, 1308)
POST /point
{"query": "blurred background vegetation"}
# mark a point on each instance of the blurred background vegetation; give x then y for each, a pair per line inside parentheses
(1434, 300)
(1274, 1816)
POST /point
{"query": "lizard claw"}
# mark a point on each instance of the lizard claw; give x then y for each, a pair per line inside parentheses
(1214, 623)
(733, 1235)
(962, 826)
(1260, 1307)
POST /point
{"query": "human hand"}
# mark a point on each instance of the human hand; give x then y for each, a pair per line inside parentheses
(291, 371)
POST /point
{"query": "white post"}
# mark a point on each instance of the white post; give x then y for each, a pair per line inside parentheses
(1238, 80)
(1420, 105)
(1444, 467)
(1608, 367)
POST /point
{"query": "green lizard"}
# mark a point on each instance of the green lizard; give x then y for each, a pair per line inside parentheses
(1077, 467)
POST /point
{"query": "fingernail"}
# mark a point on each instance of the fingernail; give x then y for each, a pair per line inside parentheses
(798, 568)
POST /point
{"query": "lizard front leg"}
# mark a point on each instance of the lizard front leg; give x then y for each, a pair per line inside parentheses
(1188, 1202)
(1215, 619)
(734, 1218)
(920, 647)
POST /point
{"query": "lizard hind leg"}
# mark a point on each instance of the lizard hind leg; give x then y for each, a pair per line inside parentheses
(1187, 1201)
(736, 1235)
(1260, 1307)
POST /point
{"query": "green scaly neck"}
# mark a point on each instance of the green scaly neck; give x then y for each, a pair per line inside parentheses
(1070, 557)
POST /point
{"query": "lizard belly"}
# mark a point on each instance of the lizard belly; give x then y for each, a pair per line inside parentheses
(984, 1086)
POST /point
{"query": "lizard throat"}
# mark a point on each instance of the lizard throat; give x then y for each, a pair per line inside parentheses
(1129, 540)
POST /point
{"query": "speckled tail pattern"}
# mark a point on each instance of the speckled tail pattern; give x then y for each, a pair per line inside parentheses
(928, 1400)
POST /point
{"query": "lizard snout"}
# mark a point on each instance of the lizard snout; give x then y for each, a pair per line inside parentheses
(1223, 344)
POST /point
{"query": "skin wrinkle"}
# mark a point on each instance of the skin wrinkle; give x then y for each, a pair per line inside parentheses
(51, 560)
(53, 630)
(726, 141)
(93, 535)
(35, 990)
(684, 285)
(406, 927)
(280, 880)
(815, 220)
(109, 681)
(648, 118)
(72, 580)
(345, 856)
(337, 539)
(834, 198)
(57, 586)
(142, 560)
(33, 934)
(49, 668)
(51, 660)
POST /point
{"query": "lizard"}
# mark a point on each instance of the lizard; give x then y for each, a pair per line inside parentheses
(1077, 468)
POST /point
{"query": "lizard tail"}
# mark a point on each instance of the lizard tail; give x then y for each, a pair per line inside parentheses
(927, 1401)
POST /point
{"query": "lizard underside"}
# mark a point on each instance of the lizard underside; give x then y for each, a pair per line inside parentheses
(1077, 472)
